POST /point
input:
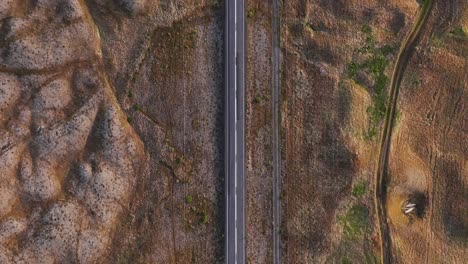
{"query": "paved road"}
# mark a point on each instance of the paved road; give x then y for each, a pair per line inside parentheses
(234, 129)
(276, 134)
(380, 175)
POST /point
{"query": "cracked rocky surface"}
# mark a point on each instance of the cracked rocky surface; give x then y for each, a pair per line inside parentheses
(98, 153)
(69, 159)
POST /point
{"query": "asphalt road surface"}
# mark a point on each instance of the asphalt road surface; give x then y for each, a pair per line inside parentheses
(276, 135)
(235, 131)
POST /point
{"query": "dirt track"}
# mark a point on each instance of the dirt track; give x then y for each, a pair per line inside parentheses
(380, 175)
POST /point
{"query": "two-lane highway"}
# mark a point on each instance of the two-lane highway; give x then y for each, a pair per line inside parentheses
(234, 131)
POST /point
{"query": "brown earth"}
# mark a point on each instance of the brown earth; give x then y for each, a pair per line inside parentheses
(328, 148)
(111, 131)
(259, 155)
(429, 154)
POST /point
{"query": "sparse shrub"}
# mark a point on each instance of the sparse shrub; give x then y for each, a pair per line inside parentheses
(203, 217)
(359, 189)
(416, 82)
(136, 107)
(296, 29)
(370, 257)
(346, 260)
(369, 45)
(437, 41)
(458, 31)
(366, 29)
(216, 4)
(376, 113)
(380, 84)
(371, 133)
(355, 221)
(188, 199)
(251, 13)
(352, 70)
(192, 35)
(308, 26)
(387, 49)
(258, 99)
(376, 65)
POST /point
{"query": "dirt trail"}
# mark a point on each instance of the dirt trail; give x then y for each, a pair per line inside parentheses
(380, 175)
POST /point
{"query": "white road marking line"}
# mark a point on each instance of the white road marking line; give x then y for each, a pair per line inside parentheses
(235, 129)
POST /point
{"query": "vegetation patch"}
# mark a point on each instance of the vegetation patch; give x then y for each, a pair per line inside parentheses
(413, 80)
(251, 13)
(438, 41)
(355, 221)
(137, 107)
(352, 70)
(216, 4)
(309, 27)
(397, 118)
(458, 32)
(198, 213)
(374, 65)
(171, 45)
(203, 217)
(371, 258)
(259, 99)
(359, 189)
(346, 260)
